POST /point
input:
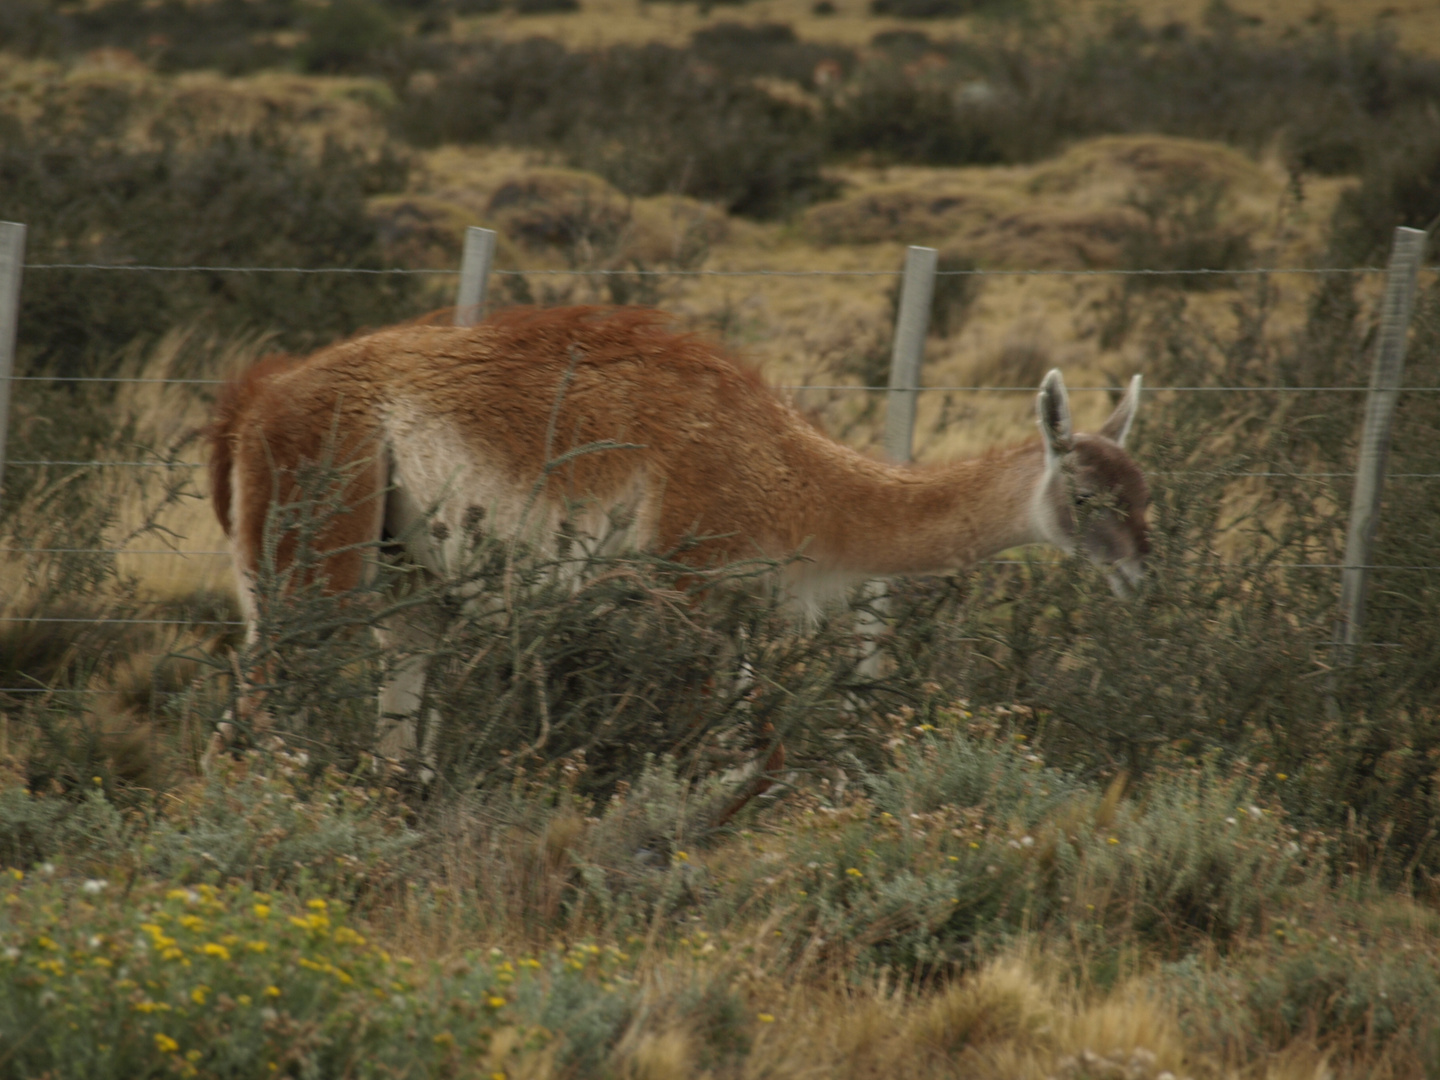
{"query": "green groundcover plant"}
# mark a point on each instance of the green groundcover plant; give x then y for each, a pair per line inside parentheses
(102, 979)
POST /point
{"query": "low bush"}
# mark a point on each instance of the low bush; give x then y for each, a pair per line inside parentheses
(228, 981)
(179, 196)
(947, 9)
(345, 35)
(645, 118)
(744, 50)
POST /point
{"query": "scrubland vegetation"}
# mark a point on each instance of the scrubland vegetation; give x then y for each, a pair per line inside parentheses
(1057, 836)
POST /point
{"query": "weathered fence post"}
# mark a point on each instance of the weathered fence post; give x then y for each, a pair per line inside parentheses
(912, 325)
(1405, 255)
(474, 275)
(12, 263)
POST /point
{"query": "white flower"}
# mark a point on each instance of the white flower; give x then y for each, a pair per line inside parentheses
(94, 886)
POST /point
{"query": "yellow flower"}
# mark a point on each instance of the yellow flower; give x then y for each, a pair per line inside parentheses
(198, 994)
(1112, 840)
(853, 872)
(256, 946)
(192, 922)
(682, 856)
(215, 949)
(766, 1018)
(262, 911)
(165, 1044)
(316, 905)
(444, 1039)
(272, 991)
(45, 943)
(1282, 776)
(495, 1001)
(102, 961)
(172, 953)
(244, 999)
(179, 894)
(18, 875)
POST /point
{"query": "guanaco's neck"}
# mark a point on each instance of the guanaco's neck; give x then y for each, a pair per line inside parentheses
(928, 519)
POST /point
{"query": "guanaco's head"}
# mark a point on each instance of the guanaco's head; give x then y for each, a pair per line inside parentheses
(1093, 497)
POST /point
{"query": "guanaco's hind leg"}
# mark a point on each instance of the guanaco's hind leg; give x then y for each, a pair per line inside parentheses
(346, 537)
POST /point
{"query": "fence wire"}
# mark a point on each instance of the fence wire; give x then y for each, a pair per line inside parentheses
(697, 273)
(448, 272)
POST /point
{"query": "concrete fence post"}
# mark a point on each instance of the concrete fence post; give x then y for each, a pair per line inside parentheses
(12, 264)
(1406, 252)
(912, 326)
(475, 266)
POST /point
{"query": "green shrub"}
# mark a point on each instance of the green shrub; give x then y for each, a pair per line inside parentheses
(1400, 185)
(946, 9)
(1357, 995)
(226, 982)
(889, 112)
(344, 35)
(643, 117)
(187, 197)
(744, 50)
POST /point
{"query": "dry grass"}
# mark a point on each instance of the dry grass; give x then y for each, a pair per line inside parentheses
(603, 22)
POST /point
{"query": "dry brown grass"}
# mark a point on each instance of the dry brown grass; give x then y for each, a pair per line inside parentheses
(603, 22)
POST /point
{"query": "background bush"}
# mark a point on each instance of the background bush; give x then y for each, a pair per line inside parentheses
(182, 197)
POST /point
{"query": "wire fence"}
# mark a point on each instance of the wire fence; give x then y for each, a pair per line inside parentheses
(642, 272)
(475, 272)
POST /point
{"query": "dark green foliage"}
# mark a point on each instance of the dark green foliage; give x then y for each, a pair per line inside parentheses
(946, 9)
(1018, 99)
(1228, 650)
(643, 117)
(546, 7)
(188, 198)
(1400, 185)
(747, 49)
(32, 28)
(344, 35)
(231, 35)
(888, 113)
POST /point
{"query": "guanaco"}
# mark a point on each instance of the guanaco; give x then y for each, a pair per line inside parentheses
(442, 427)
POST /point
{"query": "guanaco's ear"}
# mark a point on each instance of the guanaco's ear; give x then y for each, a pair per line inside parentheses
(1118, 426)
(1052, 407)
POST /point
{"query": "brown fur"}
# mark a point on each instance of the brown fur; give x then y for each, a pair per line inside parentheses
(457, 418)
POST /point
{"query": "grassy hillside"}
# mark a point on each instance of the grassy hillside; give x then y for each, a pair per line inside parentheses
(1056, 836)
